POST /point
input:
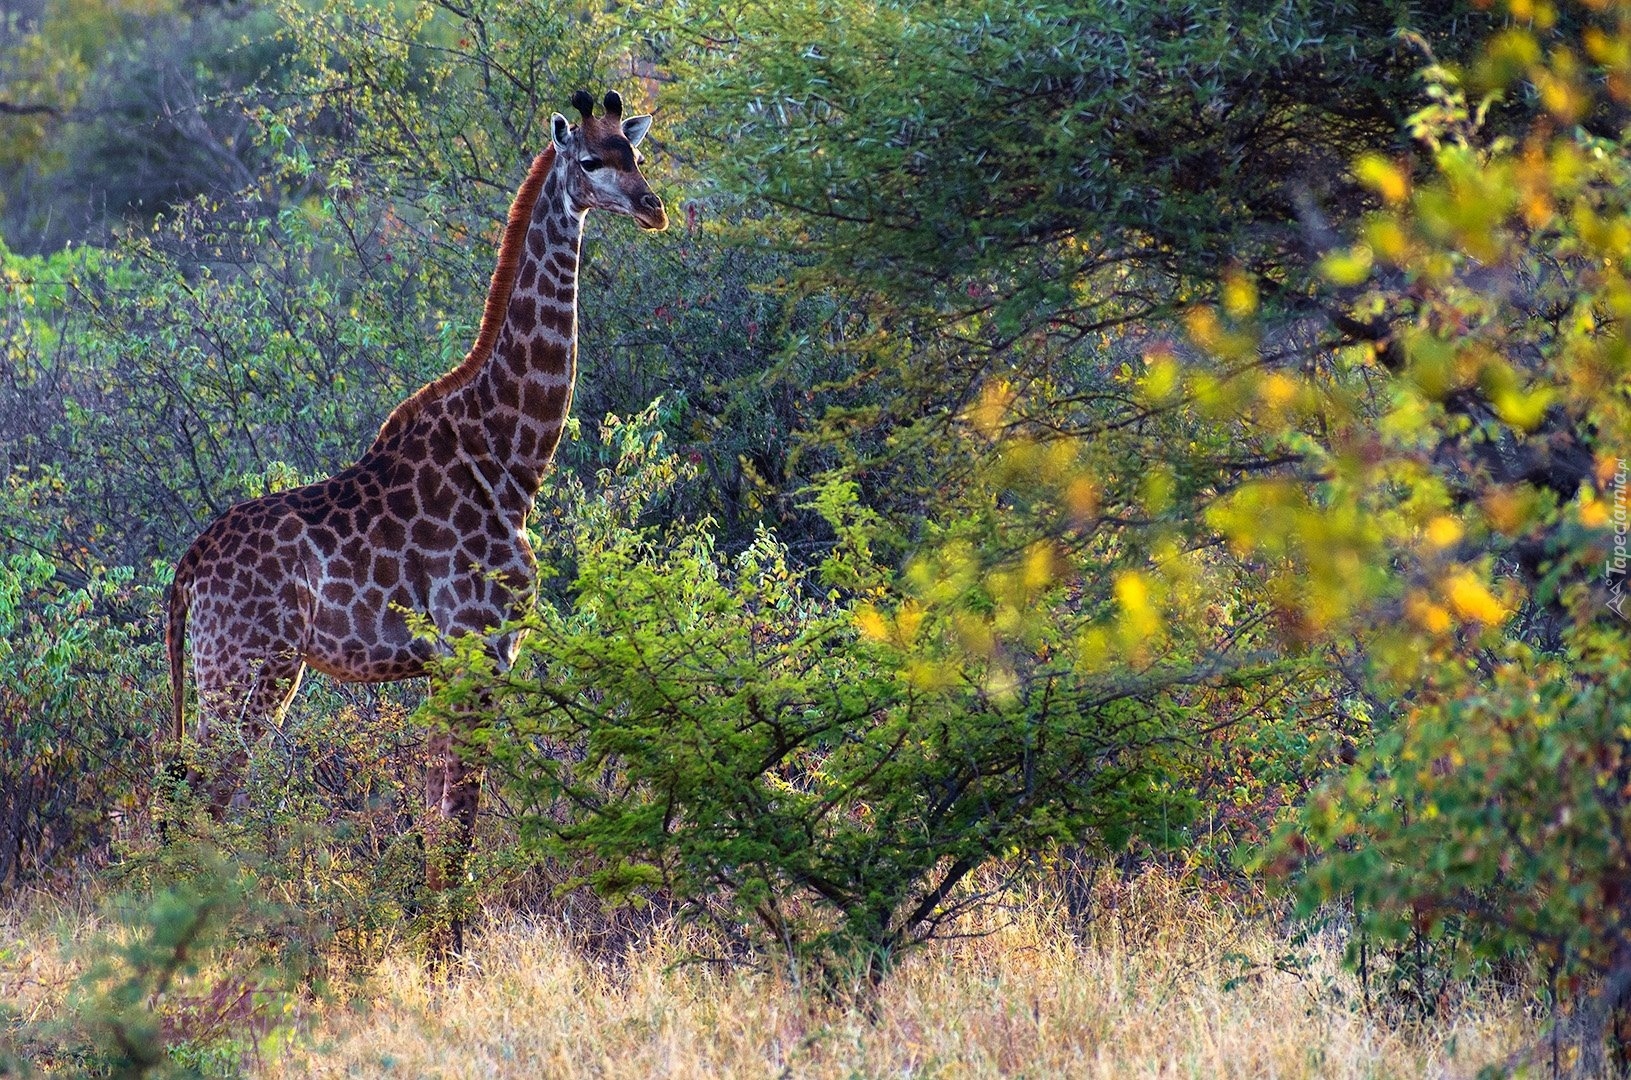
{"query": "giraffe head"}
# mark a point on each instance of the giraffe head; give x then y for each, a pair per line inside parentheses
(602, 166)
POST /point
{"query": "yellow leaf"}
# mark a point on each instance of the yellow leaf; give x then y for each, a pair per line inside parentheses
(1424, 613)
(1593, 513)
(1093, 649)
(1133, 595)
(1388, 240)
(1157, 489)
(1082, 498)
(1350, 266)
(872, 625)
(990, 413)
(1524, 410)
(1204, 328)
(1160, 377)
(1471, 599)
(974, 634)
(929, 675)
(1277, 390)
(1239, 295)
(1443, 531)
(1037, 573)
(908, 619)
(1506, 511)
(1383, 177)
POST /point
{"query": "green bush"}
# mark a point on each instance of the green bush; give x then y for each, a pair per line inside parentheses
(739, 737)
(79, 682)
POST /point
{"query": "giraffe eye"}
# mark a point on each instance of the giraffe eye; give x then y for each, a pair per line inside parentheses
(590, 164)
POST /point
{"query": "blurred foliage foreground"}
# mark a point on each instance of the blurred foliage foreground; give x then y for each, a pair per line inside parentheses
(1269, 520)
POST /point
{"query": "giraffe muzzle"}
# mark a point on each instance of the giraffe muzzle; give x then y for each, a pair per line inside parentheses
(649, 213)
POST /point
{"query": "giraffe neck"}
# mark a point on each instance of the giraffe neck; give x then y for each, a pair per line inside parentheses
(524, 390)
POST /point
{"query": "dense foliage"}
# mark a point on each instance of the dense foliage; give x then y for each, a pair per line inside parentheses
(1495, 796)
(1072, 431)
(738, 730)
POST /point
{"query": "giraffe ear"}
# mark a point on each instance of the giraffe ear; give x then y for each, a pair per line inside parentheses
(560, 131)
(635, 128)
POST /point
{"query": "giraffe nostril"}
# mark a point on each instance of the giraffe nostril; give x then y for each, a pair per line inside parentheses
(651, 202)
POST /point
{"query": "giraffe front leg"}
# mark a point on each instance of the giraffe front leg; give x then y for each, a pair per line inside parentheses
(452, 797)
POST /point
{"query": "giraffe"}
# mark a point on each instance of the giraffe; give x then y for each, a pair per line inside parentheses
(431, 519)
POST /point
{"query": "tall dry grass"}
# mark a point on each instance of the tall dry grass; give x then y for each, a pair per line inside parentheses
(1141, 993)
(1143, 990)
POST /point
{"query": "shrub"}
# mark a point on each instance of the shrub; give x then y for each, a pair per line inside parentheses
(78, 684)
(748, 741)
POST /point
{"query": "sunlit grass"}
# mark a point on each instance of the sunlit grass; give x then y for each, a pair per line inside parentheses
(1163, 982)
(1143, 992)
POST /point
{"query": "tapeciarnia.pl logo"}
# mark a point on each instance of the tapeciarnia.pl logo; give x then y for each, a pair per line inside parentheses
(1617, 561)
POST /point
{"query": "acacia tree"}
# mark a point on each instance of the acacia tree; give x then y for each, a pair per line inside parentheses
(832, 769)
(1006, 191)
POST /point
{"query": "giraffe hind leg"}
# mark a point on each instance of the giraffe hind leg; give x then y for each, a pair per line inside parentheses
(232, 716)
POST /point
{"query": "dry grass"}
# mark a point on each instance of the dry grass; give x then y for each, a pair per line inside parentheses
(1142, 994)
(36, 968)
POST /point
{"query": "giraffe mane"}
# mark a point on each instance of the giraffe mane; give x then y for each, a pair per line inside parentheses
(498, 299)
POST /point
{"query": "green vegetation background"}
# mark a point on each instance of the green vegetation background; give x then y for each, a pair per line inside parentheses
(1048, 435)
